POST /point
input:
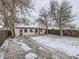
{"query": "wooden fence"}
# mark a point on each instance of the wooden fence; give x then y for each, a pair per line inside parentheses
(74, 33)
(4, 34)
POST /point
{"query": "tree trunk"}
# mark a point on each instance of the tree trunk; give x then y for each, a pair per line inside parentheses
(12, 24)
(46, 30)
(46, 27)
(61, 31)
(12, 33)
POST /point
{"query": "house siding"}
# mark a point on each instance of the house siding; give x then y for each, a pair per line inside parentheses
(17, 31)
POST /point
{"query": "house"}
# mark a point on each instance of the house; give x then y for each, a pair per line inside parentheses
(22, 29)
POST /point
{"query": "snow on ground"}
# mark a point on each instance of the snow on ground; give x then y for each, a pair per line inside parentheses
(31, 56)
(16, 50)
(22, 45)
(3, 49)
(18, 46)
(68, 45)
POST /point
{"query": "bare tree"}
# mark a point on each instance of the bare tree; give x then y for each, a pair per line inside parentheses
(25, 21)
(43, 18)
(8, 10)
(62, 14)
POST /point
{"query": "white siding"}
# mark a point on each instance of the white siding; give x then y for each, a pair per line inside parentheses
(42, 32)
(17, 32)
(29, 33)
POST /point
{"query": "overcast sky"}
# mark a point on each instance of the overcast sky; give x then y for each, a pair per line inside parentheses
(45, 3)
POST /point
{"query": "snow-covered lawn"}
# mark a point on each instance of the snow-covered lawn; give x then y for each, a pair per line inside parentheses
(18, 49)
(67, 45)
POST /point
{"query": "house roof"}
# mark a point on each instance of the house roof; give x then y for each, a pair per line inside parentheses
(29, 26)
(36, 26)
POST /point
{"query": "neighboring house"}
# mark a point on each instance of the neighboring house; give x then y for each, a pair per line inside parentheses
(28, 30)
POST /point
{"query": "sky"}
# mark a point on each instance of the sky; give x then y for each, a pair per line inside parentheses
(75, 5)
(38, 4)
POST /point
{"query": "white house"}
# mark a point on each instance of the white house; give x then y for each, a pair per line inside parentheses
(29, 30)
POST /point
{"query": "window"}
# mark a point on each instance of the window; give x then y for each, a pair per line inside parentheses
(25, 30)
(31, 30)
(41, 30)
(21, 32)
(35, 30)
